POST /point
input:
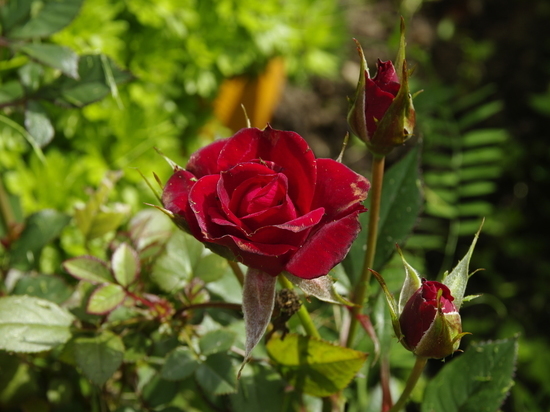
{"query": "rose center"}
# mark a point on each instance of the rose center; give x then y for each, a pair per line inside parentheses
(260, 194)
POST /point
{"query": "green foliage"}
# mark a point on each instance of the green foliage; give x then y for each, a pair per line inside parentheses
(479, 380)
(29, 324)
(314, 366)
(103, 311)
(462, 161)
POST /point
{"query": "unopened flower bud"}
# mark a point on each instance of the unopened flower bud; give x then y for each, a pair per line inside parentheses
(381, 112)
(430, 322)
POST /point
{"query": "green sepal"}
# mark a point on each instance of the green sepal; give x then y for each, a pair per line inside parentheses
(394, 313)
(457, 280)
(356, 112)
(411, 284)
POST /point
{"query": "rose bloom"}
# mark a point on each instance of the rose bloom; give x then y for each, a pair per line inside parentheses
(260, 197)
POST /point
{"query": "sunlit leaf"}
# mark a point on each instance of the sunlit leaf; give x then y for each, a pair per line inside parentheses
(38, 123)
(314, 366)
(58, 57)
(89, 268)
(125, 264)
(173, 269)
(29, 324)
(105, 298)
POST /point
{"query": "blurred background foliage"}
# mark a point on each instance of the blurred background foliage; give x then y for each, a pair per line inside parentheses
(482, 124)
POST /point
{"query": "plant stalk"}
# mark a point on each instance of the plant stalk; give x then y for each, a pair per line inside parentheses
(237, 271)
(411, 383)
(372, 236)
(303, 314)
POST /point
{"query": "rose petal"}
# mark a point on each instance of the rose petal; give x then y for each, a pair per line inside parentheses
(266, 257)
(377, 103)
(293, 232)
(203, 198)
(205, 161)
(287, 150)
(325, 248)
(339, 189)
(271, 216)
(175, 199)
(386, 77)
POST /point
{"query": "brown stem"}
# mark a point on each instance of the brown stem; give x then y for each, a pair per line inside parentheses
(372, 236)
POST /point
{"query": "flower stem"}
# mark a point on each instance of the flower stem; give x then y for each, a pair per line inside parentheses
(6, 212)
(411, 383)
(372, 236)
(303, 314)
(237, 271)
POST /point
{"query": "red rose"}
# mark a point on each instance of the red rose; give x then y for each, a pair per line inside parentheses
(430, 322)
(263, 199)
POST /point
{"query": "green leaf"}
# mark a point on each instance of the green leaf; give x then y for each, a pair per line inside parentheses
(125, 264)
(216, 375)
(99, 357)
(108, 219)
(40, 229)
(49, 287)
(211, 267)
(11, 91)
(179, 364)
(174, 268)
(29, 324)
(52, 17)
(477, 381)
(93, 83)
(159, 391)
(89, 268)
(38, 123)
(314, 366)
(14, 13)
(261, 389)
(95, 219)
(401, 204)
(105, 298)
(58, 57)
(219, 340)
(19, 380)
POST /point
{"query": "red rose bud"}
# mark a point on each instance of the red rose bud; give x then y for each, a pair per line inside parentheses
(382, 113)
(430, 322)
(262, 198)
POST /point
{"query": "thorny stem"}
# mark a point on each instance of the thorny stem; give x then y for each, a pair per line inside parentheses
(303, 314)
(411, 383)
(372, 235)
